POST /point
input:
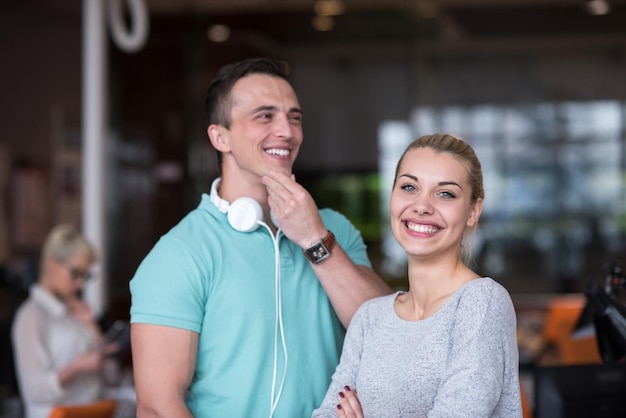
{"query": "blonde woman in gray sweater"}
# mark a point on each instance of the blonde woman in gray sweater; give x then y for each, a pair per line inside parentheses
(447, 347)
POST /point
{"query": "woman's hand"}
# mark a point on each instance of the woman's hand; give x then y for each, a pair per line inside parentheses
(83, 314)
(80, 311)
(108, 349)
(349, 405)
(89, 362)
(85, 363)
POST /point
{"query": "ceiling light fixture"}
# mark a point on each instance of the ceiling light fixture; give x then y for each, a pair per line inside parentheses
(598, 7)
(218, 33)
(427, 9)
(329, 7)
(323, 23)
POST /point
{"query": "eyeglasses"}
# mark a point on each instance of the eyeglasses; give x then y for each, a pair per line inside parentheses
(78, 274)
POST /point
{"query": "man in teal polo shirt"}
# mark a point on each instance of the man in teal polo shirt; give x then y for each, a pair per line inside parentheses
(240, 309)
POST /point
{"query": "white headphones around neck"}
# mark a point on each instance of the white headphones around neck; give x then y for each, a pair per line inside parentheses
(244, 214)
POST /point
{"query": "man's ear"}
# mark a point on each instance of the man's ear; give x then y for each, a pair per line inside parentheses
(219, 137)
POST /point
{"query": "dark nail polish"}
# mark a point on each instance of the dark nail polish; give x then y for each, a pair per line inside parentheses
(338, 406)
(341, 395)
(347, 388)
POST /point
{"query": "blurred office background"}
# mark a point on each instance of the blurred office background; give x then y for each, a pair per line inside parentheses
(536, 86)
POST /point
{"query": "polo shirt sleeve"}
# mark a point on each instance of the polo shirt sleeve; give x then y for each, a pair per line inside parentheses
(170, 286)
(347, 236)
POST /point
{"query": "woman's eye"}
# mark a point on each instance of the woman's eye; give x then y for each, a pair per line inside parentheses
(408, 187)
(447, 195)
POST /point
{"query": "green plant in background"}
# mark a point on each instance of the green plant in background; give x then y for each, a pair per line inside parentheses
(357, 195)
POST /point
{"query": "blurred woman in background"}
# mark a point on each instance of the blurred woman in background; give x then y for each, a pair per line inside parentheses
(56, 340)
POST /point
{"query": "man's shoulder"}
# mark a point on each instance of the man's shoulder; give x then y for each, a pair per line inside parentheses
(332, 216)
(331, 213)
(196, 221)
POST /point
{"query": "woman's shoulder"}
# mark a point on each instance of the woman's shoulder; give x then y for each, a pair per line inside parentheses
(30, 315)
(484, 292)
(485, 285)
(377, 306)
(382, 301)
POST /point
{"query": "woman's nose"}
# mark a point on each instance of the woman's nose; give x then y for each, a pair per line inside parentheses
(422, 205)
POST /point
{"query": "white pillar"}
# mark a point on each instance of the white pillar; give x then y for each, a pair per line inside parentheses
(94, 116)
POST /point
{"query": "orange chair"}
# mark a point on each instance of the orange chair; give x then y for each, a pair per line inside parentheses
(100, 409)
(561, 317)
(527, 411)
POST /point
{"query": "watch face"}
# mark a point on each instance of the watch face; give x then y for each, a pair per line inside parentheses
(318, 252)
(321, 250)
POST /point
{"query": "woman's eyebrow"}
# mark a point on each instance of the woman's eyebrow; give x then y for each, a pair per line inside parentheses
(441, 183)
(414, 178)
(450, 183)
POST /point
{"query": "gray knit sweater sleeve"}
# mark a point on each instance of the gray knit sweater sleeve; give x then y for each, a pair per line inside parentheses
(460, 362)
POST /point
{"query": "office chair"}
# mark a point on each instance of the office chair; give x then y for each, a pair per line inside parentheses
(527, 410)
(99, 409)
(561, 317)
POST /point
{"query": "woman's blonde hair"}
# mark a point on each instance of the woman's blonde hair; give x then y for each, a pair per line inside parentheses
(64, 241)
(462, 151)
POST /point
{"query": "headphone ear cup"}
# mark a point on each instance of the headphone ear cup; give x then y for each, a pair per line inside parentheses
(244, 214)
(274, 219)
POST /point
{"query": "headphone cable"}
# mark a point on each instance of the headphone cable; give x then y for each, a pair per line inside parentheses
(278, 326)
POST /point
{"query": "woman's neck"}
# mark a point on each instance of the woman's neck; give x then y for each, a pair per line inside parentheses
(431, 285)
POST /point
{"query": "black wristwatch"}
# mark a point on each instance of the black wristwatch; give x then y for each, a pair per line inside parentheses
(320, 251)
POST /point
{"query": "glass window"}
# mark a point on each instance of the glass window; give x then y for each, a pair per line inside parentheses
(554, 177)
